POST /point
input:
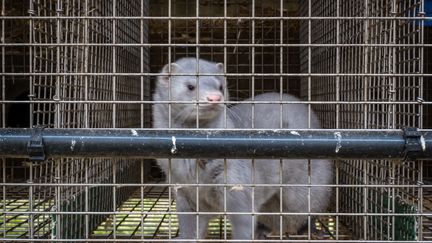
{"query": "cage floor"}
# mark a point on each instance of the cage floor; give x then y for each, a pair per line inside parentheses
(427, 208)
(148, 226)
(155, 199)
(18, 225)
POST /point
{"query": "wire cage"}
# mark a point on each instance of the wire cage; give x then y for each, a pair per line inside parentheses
(45, 109)
(86, 64)
(363, 60)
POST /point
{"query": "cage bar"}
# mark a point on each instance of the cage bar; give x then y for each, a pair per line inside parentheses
(293, 144)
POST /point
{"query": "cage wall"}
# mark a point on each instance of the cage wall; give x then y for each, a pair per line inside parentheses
(50, 89)
(362, 57)
(95, 64)
(209, 36)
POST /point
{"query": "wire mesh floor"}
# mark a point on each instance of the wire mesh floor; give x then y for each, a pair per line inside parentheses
(155, 199)
(149, 226)
(18, 225)
(427, 208)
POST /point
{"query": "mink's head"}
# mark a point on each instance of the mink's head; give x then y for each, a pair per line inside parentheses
(188, 86)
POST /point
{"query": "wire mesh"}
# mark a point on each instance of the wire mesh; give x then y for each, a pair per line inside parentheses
(94, 64)
(365, 60)
(71, 59)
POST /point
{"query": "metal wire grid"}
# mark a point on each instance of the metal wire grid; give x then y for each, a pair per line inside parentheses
(427, 89)
(369, 59)
(17, 199)
(150, 226)
(132, 59)
(64, 59)
(91, 59)
(156, 226)
(14, 59)
(239, 32)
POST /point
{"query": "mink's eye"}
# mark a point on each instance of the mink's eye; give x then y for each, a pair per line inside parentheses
(191, 87)
(221, 88)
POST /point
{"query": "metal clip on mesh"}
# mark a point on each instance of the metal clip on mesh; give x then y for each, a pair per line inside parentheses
(412, 143)
(35, 146)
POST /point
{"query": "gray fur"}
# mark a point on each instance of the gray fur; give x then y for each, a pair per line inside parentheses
(238, 199)
(184, 115)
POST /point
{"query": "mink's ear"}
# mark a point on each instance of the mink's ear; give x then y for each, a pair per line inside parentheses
(166, 71)
(220, 67)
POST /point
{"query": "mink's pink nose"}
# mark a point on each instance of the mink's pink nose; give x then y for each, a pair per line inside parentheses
(214, 98)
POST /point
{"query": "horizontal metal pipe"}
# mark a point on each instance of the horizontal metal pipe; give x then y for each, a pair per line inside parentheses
(191, 143)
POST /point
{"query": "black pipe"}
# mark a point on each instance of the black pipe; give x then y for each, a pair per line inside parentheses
(149, 143)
